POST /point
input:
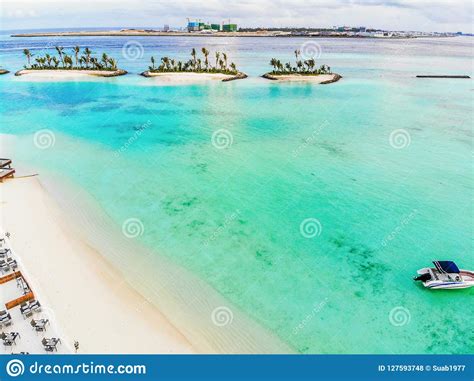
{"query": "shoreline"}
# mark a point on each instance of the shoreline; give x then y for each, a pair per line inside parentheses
(116, 264)
(262, 33)
(191, 77)
(66, 74)
(320, 79)
(90, 301)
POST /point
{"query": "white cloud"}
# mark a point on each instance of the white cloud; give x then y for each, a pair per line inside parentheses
(442, 15)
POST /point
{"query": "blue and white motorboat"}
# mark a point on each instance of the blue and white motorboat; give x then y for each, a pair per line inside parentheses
(445, 275)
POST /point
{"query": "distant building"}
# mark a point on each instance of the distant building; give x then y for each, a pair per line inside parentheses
(193, 26)
(229, 28)
(199, 26)
(166, 28)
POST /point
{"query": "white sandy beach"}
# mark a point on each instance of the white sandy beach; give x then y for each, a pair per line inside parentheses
(316, 79)
(58, 75)
(91, 303)
(186, 78)
(107, 291)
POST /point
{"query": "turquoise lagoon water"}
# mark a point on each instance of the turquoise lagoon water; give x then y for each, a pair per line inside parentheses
(235, 216)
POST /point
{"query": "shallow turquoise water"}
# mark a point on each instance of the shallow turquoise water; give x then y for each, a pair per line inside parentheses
(233, 216)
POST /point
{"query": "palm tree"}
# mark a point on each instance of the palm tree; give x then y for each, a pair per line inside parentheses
(48, 59)
(76, 49)
(166, 62)
(113, 63)
(299, 65)
(218, 56)
(56, 62)
(280, 66)
(152, 59)
(38, 60)
(60, 51)
(225, 59)
(27, 53)
(88, 53)
(273, 62)
(193, 54)
(233, 67)
(68, 61)
(105, 59)
(297, 54)
(206, 59)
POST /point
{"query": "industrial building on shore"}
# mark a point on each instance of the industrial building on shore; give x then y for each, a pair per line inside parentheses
(199, 26)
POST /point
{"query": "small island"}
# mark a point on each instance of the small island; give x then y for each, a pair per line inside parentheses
(70, 66)
(3, 71)
(305, 70)
(196, 69)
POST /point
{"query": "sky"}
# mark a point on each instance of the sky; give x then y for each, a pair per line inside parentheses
(422, 15)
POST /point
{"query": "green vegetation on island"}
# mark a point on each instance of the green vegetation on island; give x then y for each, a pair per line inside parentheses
(218, 64)
(77, 60)
(302, 67)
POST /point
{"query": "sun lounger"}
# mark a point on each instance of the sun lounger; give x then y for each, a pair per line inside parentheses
(35, 306)
(5, 163)
(5, 173)
(11, 336)
(50, 345)
(4, 266)
(6, 320)
(26, 312)
(39, 325)
(8, 342)
(12, 263)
